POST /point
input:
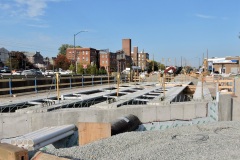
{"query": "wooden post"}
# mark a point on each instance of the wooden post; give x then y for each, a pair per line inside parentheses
(118, 80)
(164, 75)
(108, 78)
(58, 92)
(202, 87)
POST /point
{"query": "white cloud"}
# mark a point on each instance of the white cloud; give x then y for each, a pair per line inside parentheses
(26, 8)
(32, 8)
(38, 26)
(5, 6)
(205, 16)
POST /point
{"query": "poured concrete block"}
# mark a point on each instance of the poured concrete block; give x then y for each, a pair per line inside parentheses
(149, 113)
(236, 109)
(163, 113)
(177, 112)
(189, 112)
(201, 109)
(225, 107)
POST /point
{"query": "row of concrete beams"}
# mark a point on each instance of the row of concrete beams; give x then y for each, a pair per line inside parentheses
(78, 98)
(126, 98)
(170, 94)
(202, 92)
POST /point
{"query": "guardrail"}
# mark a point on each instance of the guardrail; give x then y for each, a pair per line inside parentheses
(12, 86)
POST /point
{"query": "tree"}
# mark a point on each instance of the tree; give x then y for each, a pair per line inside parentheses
(161, 66)
(63, 48)
(19, 61)
(71, 68)
(93, 69)
(80, 69)
(150, 67)
(62, 62)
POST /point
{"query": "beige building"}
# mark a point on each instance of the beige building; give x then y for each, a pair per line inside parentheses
(224, 65)
(143, 58)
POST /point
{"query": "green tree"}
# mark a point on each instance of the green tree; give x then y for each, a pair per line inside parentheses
(161, 66)
(63, 48)
(80, 69)
(151, 68)
(71, 68)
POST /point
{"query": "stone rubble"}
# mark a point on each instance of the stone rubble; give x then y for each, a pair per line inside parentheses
(218, 140)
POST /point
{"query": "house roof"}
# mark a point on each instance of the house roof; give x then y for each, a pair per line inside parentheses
(4, 50)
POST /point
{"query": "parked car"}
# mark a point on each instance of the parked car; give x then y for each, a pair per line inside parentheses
(48, 72)
(63, 72)
(31, 72)
(17, 73)
(5, 70)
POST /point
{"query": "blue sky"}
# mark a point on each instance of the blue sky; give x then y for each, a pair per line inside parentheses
(169, 29)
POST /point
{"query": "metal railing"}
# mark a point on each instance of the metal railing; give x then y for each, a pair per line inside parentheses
(13, 86)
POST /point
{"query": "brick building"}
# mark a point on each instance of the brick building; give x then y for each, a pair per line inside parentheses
(126, 46)
(108, 60)
(134, 56)
(83, 55)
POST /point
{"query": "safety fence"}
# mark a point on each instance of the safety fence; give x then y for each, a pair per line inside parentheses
(17, 86)
(225, 85)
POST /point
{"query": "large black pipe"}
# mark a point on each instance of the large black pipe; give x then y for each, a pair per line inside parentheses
(125, 124)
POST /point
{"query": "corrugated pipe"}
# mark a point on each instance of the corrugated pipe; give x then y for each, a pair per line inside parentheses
(125, 124)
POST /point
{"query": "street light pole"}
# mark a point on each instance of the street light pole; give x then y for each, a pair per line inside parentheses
(74, 48)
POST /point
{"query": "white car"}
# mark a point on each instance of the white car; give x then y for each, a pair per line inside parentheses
(49, 72)
(17, 73)
(63, 72)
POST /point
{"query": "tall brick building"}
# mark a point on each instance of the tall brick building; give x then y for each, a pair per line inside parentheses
(134, 56)
(126, 46)
(83, 55)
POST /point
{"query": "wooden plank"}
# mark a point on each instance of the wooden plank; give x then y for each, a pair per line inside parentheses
(220, 87)
(225, 81)
(92, 131)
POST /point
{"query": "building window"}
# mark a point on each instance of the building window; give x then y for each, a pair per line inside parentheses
(86, 58)
(83, 58)
(86, 52)
(102, 62)
(106, 62)
(83, 52)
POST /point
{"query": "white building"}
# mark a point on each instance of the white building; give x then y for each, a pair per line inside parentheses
(4, 55)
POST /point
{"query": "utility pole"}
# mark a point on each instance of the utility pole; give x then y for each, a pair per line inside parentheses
(153, 64)
(75, 50)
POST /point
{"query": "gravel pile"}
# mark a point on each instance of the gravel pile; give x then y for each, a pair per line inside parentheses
(220, 140)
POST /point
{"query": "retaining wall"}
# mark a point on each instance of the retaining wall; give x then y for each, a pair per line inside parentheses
(15, 124)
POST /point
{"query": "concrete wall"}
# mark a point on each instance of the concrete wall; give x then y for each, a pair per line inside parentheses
(236, 109)
(225, 107)
(15, 124)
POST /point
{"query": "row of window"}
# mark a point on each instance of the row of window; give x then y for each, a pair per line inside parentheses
(106, 56)
(83, 52)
